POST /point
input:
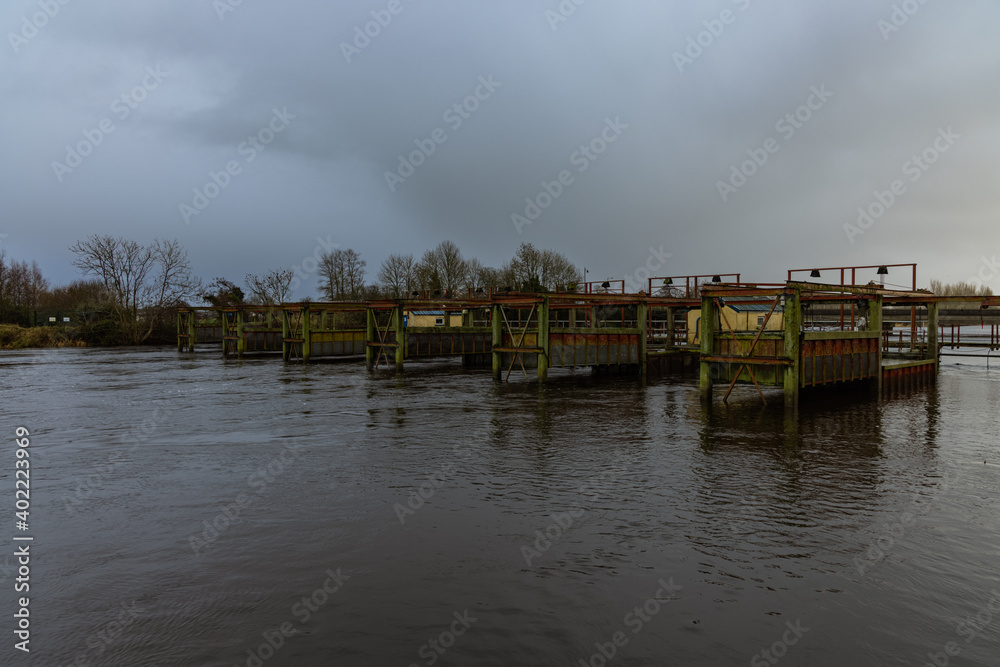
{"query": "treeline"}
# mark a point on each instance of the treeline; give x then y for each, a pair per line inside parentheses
(129, 292)
(960, 289)
(22, 289)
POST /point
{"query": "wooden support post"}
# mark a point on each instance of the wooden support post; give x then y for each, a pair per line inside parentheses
(369, 339)
(641, 317)
(286, 333)
(543, 339)
(241, 341)
(932, 333)
(401, 337)
(707, 332)
(192, 331)
(875, 324)
(670, 327)
(180, 328)
(497, 340)
(793, 348)
(225, 334)
(306, 334)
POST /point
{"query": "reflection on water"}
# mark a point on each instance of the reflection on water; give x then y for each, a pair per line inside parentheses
(186, 509)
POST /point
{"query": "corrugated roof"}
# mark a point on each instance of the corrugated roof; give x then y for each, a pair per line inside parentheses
(738, 303)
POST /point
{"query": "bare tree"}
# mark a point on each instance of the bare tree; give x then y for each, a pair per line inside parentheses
(22, 287)
(271, 287)
(443, 268)
(539, 270)
(397, 275)
(960, 289)
(142, 281)
(343, 273)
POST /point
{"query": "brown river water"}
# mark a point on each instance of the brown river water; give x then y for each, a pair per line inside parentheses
(188, 510)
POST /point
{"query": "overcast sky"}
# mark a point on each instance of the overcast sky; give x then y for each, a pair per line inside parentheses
(670, 100)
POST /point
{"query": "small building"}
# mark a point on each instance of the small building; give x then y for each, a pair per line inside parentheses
(432, 318)
(739, 315)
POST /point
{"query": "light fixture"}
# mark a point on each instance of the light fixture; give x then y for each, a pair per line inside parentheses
(605, 284)
(716, 279)
(814, 274)
(668, 281)
(479, 290)
(414, 294)
(883, 271)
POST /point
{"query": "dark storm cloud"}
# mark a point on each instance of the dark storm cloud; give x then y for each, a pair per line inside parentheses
(687, 113)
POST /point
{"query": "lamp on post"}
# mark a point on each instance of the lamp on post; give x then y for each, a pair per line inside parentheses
(814, 274)
(882, 273)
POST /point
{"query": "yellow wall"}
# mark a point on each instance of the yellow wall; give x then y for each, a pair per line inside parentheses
(743, 321)
(428, 320)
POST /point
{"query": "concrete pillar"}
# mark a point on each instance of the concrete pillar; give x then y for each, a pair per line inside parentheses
(497, 340)
(707, 333)
(400, 337)
(543, 339)
(369, 339)
(642, 314)
(793, 348)
(306, 334)
(572, 318)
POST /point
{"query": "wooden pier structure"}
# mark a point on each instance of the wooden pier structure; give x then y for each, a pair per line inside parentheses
(514, 332)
